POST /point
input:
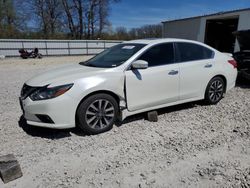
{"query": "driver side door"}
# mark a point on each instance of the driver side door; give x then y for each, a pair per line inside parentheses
(156, 85)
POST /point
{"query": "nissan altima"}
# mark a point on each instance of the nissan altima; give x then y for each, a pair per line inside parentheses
(129, 78)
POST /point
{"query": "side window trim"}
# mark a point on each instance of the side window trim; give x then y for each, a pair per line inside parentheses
(177, 53)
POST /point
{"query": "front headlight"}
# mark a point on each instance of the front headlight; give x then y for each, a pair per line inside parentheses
(49, 93)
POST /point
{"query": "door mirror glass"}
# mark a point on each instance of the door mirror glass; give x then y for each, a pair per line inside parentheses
(140, 64)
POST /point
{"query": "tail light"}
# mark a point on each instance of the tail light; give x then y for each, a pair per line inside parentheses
(233, 62)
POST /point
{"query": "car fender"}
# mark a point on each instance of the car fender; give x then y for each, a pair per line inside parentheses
(217, 73)
(105, 82)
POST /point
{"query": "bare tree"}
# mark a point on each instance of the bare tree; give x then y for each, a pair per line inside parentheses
(146, 31)
(151, 31)
(54, 13)
(55, 18)
(7, 19)
(40, 11)
(90, 15)
(69, 9)
(48, 13)
(121, 33)
(97, 16)
(79, 7)
(102, 14)
(8, 11)
(80, 17)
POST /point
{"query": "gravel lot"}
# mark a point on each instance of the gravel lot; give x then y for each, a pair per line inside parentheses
(192, 145)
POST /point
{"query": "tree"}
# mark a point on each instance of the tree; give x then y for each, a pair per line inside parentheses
(91, 17)
(7, 18)
(151, 31)
(79, 7)
(146, 31)
(48, 13)
(121, 33)
(102, 14)
(69, 10)
(86, 18)
(75, 19)
(54, 12)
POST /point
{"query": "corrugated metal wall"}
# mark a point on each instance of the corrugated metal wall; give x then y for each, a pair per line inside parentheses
(184, 29)
(195, 28)
(10, 47)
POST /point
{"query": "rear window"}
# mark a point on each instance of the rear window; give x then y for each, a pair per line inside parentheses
(192, 52)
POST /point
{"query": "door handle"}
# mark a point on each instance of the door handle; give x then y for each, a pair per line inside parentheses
(173, 72)
(208, 65)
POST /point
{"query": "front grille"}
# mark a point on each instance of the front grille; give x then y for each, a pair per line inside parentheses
(27, 90)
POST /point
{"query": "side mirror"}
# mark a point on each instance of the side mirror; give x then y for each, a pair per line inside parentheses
(139, 64)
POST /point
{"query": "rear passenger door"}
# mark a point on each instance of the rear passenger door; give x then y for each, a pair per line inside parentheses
(196, 67)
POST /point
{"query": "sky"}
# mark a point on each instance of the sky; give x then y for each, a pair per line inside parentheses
(136, 13)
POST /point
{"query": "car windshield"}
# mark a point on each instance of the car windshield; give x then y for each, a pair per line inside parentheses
(114, 56)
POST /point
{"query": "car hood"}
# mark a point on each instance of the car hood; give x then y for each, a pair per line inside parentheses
(63, 75)
(243, 38)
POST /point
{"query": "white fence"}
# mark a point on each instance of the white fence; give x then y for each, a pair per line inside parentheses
(10, 47)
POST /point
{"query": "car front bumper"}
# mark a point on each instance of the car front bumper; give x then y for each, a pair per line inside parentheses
(61, 111)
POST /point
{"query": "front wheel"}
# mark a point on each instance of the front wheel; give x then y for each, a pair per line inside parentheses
(215, 90)
(97, 113)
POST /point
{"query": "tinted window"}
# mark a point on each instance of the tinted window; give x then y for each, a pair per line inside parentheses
(114, 56)
(161, 54)
(191, 52)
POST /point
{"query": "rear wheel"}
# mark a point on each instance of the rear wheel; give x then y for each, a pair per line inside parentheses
(97, 113)
(215, 90)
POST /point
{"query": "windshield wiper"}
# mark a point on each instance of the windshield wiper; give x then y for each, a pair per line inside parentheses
(87, 64)
(90, 65)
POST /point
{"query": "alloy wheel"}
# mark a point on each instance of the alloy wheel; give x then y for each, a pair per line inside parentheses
(216, 91)
(100, 114)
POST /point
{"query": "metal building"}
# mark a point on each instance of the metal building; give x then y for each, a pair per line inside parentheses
(214, 29)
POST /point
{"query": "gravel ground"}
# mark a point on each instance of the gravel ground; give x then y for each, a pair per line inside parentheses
(192, 145)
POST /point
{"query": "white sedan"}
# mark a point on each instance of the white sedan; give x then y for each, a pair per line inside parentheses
(129, 78)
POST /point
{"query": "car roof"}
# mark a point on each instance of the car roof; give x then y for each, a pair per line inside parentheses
(163, 40)
(159, 40)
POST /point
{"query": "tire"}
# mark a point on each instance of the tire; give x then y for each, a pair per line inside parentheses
(97, 113)
(215, 90)
(40, 56)
(33, 55)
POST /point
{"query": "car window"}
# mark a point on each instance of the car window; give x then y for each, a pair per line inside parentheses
(161, 54)
(192, 52)
(114, 56)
